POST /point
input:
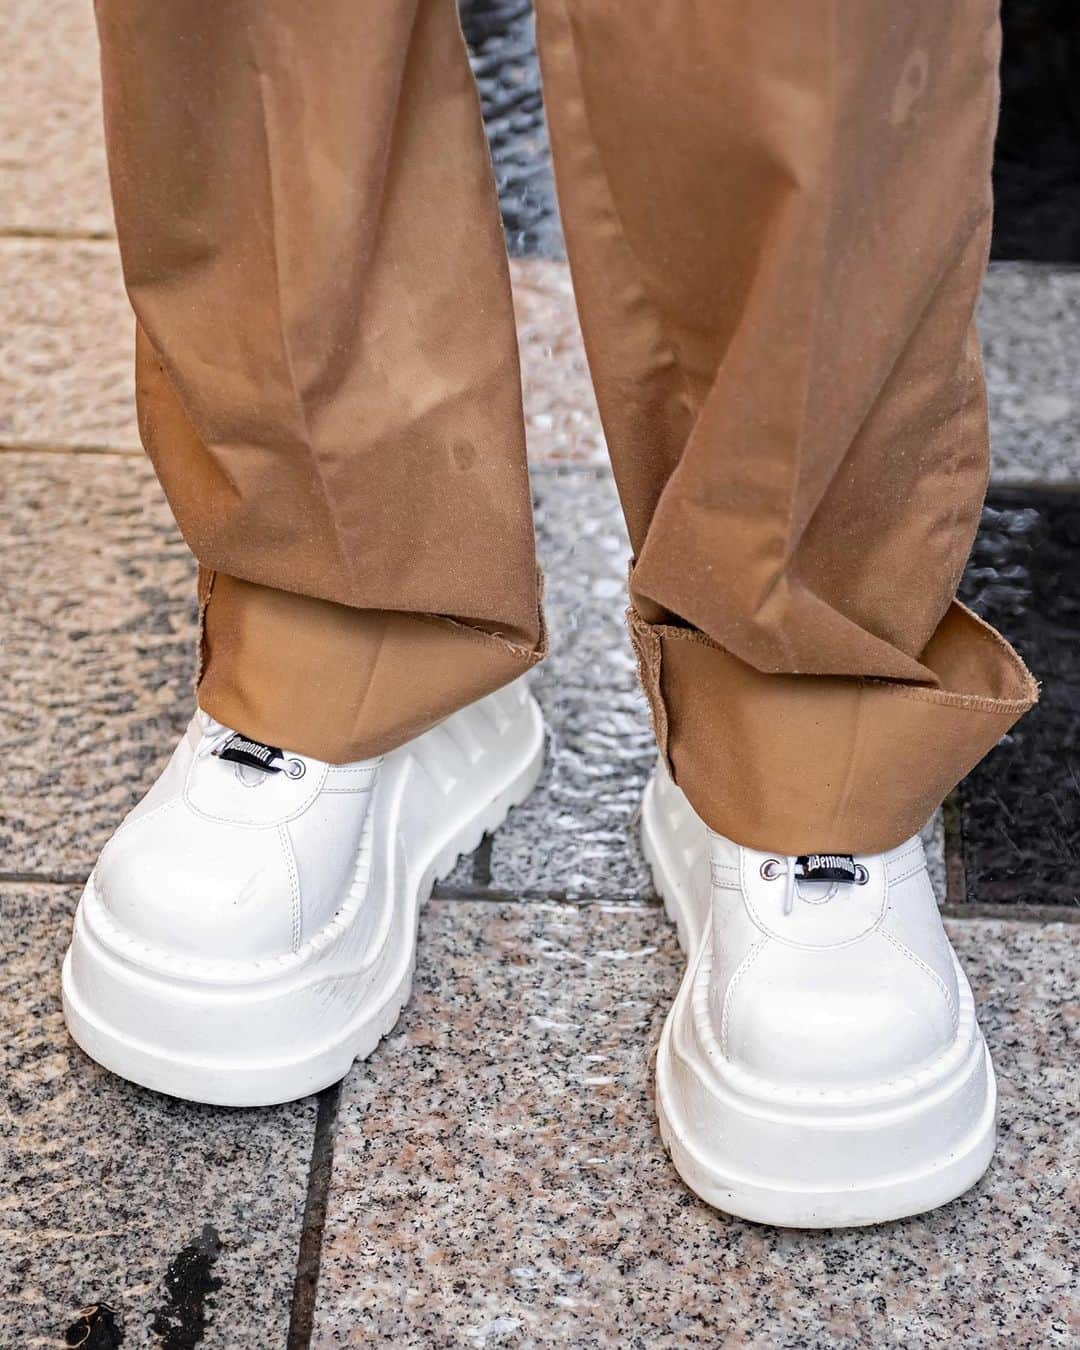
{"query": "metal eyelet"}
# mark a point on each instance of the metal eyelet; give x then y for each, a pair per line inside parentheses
(295, 768)
(771, 868)
(862, 876)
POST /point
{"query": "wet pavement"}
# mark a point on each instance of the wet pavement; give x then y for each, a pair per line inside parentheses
(1037, 156)
(1019, 808)
(492, 1176)
(502, 47)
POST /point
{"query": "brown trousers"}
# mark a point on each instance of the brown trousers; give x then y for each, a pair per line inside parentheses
(777, 219)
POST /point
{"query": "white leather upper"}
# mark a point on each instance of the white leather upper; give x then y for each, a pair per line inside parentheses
(855, 985)
(223, 861)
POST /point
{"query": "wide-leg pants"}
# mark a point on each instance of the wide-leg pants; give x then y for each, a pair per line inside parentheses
(777, 218)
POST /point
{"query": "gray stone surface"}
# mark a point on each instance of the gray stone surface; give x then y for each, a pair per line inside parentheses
(67, 353)
(66, 346)
(498, 1177)
(1029, 318)
(52, 169)
(104, 1184)
(98, 595)
(933, 837)
(576, 835)
(561, 418)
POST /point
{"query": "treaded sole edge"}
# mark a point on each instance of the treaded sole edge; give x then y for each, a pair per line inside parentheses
(227, 1084)
(730, 1190)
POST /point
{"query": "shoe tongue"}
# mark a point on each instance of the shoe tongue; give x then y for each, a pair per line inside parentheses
(241, 749)
(221, 781)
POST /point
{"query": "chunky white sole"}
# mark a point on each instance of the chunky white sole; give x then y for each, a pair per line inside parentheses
(798, 1158)
(259, 1032)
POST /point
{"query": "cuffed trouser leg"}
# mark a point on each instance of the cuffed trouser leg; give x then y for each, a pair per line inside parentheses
(777, 218)
(327, 369)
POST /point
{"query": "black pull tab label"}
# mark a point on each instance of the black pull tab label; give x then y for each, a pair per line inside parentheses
(826, 867)
(242, 750)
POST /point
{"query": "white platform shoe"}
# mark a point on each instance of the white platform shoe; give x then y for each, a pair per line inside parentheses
(250, 929)
(821, 1065)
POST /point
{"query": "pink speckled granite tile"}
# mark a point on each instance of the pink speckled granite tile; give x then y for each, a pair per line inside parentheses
(499, 1180)
(106, 1184)
(67, 351)
(66, 346)
(97, 649)
(561, 420)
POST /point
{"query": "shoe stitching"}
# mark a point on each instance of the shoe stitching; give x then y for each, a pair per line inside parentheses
(728, 882)
(339, 770)
(294, 885)
(911, 872)
(744, 965)
(126, 826)
(747, 1080)
(172, 963)
(940, 697)
(898, 856)
(313, 792)
(928, 971)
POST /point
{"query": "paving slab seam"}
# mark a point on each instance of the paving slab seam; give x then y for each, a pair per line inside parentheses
(30, 448)
(1002, 488)
(952, 817)
(1036, 914)
(42, 879)
(572, 468)
(563, 469)
(494, 895)
(60, 236)
(481, 861)
(593, 469)
(1017, 913)
(1014, 491)
(309, 1255)
(1021, 913)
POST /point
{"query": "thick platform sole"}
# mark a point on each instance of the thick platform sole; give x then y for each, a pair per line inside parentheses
(791, 1159)
(257, 1033)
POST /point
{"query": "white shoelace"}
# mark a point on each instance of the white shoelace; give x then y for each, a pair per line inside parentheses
(774, 868)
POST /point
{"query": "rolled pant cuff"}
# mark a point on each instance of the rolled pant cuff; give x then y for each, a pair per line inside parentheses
(339, 683)
(812, 763)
